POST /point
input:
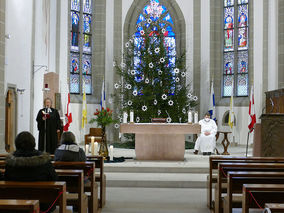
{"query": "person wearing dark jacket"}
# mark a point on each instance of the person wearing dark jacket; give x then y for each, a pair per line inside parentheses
(69, 150)
(29, 164)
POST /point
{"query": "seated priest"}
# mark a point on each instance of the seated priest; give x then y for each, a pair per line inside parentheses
(206, 141)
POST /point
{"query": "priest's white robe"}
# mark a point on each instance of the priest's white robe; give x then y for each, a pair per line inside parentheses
(206, 143)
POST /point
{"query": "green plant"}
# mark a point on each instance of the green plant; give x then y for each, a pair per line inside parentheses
(103, 117)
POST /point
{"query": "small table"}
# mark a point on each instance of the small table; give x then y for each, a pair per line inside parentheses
(224, 140)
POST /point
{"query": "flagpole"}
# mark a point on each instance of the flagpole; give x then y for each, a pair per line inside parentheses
(247, 144)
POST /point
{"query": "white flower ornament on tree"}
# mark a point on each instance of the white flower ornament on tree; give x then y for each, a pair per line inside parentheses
(116, 85)
(176, 70)
(135, 93)
(129, 103)
(157, 50)
(144, 108)
(162, 60)
(170, 103)
(133, 72)
(164, 97)
(183, 74)
(142, 32)
(147, 80)
(151, 65)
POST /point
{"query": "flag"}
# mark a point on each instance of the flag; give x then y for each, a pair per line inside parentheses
(103, 96)
(231, 114)
(68, 115)
(252, 117)
(212, 104)
(84, 107)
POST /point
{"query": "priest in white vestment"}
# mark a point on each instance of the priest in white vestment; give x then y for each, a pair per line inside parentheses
(206, 142)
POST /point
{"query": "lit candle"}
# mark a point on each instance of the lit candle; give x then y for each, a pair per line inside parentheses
(125, 115)
(87, 149)
(92, 139)
(96, 148)
(111, 152)
(131, 116)
(196, 117)
(92, 148)
(189, 117)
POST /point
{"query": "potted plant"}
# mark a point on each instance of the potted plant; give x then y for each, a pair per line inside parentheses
(103, 118)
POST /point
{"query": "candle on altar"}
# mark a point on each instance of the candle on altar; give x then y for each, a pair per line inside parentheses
(111, 152)
(92, 139)
(196, 117)
(92, 148)
(131, 116)
(189, 117)
(96, 148)
(87, 149)
(125, 115)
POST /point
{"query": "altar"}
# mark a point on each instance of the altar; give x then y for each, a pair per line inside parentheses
(160, 141)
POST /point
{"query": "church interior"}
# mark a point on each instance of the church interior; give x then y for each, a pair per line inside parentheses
(174, 105)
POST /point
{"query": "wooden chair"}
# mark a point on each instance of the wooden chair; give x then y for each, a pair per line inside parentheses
(235, 183)
(101, 177)
(224, 168)
(45, 192)
(89, 172)
(19, 206)
(262, 193)
(97, 133)
(213, 169)
(75, 188)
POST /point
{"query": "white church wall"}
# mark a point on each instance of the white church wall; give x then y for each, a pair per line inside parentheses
(19, 65)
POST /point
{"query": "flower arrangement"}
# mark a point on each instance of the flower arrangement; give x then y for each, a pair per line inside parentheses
(102, 117)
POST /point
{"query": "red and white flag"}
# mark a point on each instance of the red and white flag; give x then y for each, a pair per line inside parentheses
(68, 115)
(252, 117)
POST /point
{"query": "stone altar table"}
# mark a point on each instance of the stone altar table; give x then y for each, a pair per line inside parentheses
(160, 141)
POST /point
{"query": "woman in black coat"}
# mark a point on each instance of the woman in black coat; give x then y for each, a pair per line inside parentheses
(28, 164)
(69, 150)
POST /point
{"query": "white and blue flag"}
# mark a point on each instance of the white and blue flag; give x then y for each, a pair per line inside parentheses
(212, 110)
(103, 96)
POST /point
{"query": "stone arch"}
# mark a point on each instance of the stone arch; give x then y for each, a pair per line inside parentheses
(172, 6)
(225, 118)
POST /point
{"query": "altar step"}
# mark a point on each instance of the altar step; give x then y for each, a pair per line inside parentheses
(156, 180)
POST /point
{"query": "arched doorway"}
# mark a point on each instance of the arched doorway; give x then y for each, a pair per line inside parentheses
(10, 119)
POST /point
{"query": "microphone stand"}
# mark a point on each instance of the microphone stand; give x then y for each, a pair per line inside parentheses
(44, 149)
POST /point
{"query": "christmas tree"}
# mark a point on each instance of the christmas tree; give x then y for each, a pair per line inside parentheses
(153, 76)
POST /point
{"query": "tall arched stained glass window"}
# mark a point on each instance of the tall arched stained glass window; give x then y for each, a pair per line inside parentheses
(80, 46)
(236, 16)
(157, 11)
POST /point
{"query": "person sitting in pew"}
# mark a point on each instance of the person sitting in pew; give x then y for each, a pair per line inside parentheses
(206, 141)
(27, 163)
(69, 149)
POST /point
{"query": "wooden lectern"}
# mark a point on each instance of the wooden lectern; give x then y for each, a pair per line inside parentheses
(272, 125)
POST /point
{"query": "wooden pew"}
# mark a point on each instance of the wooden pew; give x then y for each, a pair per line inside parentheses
(236, 180)
(19, 206)
(213, 166)
(223, 168)
(101, 177)
(262, 193)
(274, 207)
(45, 192)
(89, 172)
(75, 188)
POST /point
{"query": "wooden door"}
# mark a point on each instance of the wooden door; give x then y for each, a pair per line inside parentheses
(10, 120)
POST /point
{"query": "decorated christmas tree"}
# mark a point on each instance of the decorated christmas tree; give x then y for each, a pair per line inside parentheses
(152, 75)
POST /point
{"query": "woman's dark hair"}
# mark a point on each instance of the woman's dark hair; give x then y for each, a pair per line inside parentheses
(67, 137)
(25, 141)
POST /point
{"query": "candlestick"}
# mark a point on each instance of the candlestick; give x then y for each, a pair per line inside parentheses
(196, 117)
(189, 117)
(96, 148)
(111, 152)
(87, 149)
(92, 148)
(131, 116)
(125, 115)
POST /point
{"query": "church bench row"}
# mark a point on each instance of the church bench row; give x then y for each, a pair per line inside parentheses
(262, 193)
(19, 206)
(235, 182)
(45, 192)
(224, 168)
(274, 207)
(213, 166)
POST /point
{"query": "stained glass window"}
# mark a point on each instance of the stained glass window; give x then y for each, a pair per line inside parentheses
(235, 69)
(156, 10)
(81, 46)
